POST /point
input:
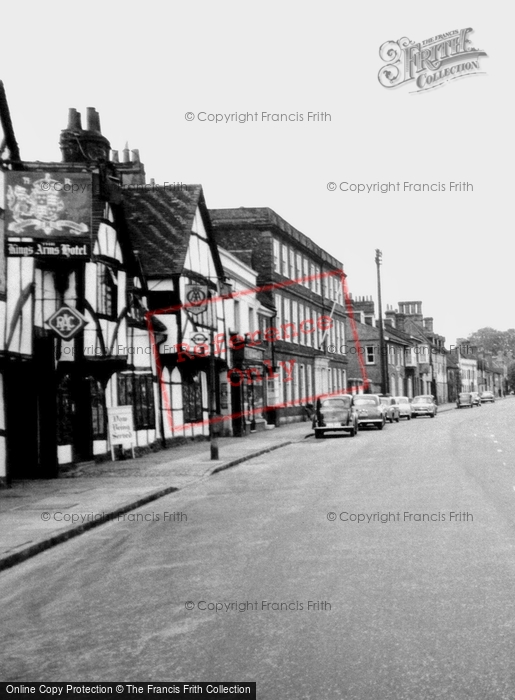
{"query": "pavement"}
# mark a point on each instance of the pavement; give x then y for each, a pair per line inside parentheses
(37, 515)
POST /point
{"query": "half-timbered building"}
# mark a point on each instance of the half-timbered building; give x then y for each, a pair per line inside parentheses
(170, 228)
(9, 158)
(76, 338)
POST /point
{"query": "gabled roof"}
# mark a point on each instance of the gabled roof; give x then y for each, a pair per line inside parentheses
(160, 222)
(413, 329)
(365, 332)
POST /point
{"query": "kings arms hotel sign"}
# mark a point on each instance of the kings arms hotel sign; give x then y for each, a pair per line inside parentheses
(52, 209)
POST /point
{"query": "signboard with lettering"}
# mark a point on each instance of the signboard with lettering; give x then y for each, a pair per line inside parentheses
(48, 249)
(48, 206)
(66, 322)
(121, 428)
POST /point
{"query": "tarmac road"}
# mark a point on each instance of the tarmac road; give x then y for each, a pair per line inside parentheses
(409, 608)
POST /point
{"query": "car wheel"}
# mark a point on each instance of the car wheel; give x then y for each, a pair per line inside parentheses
(433, 415)
(397, 419)
(319, 435)
(381, 425)
(391, 419)
(408, 417)
(352, 432)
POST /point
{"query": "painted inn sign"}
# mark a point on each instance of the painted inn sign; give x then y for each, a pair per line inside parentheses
(48, 205)
(66, 322)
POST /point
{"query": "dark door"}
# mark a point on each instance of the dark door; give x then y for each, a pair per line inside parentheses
(238, 422)
(21, 420)
(82, 435)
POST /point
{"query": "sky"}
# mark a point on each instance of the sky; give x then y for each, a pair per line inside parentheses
(145, 66)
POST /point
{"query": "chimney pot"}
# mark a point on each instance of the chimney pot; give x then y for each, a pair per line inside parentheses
(93, 120)
(126, 154)
(135, 155)
(115, 158)
(74, 122)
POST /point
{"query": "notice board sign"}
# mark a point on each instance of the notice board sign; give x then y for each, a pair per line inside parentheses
(121, 428)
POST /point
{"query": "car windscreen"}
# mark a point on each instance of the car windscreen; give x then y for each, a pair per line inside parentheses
(370, 401)
(335, 403)
(465, 396)
(421, 399)
(401, 400)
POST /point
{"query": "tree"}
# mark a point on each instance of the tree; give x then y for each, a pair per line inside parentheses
(494, 341)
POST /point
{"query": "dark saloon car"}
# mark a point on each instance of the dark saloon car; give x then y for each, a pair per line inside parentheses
(464, 399)
(335, 414)
(370, 410)
(423, 406)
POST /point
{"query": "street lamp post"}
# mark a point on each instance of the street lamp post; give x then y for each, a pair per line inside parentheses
(384, 386)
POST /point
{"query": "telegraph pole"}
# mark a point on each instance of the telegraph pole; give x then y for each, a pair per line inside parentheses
(213, 429)
(382, 348)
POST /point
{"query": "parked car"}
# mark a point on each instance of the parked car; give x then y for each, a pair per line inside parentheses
(392, 409)
(370, 410)
(464, 399)
(404, 406)
(476, 401)
(423, 405)
(335, 414)
(487, 396)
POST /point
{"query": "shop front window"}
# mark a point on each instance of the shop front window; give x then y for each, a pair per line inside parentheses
(192, 398)
(98, 409)
(137, 390)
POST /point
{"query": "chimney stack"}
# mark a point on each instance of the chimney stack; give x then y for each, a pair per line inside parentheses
(83, 145)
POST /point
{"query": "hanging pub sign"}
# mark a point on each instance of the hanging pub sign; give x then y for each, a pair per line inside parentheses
(66, 322)
(54, 209)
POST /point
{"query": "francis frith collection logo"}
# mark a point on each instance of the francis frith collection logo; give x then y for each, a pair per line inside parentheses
(430, 63)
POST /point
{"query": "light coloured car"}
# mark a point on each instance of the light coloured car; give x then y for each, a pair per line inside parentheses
(476, 399)
(335, 414)
(370, 410)
(404, 406)
(392, 409)
(423, 405)
(487, 396)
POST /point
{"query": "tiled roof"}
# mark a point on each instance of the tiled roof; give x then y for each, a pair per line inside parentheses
(160, 222)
